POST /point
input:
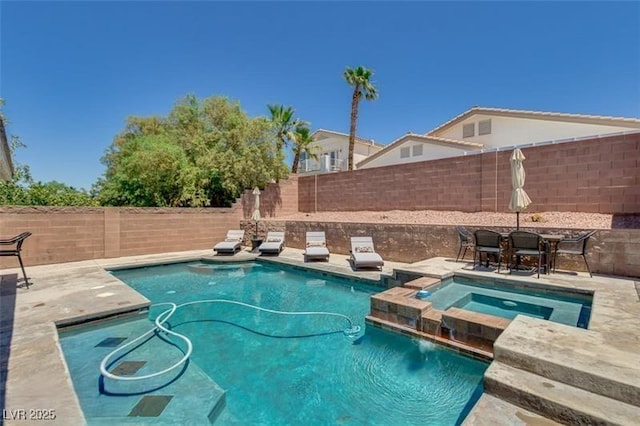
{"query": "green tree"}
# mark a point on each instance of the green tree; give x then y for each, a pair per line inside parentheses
(204, 153)
(360, 79)
(152, 172)
(302, 142)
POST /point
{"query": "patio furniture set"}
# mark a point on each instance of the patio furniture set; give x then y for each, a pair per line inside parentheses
(543, 248)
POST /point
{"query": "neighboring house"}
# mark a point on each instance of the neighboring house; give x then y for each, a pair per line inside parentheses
(6, 167)
(332, 150)
(481, 129)
(414, 147)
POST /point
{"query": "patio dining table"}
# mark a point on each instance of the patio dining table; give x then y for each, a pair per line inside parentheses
(550, 243)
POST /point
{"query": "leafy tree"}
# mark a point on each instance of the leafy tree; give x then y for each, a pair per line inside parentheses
(360, 79)
(204, 153)
(302, 142)
(152, 172)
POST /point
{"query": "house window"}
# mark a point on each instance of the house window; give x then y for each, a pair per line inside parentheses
(405, 152)
(484, 127)
(469, 130)
(334, 163)
(417, 150)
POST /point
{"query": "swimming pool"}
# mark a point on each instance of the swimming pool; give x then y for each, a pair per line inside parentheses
(506, 300)
(254, 367)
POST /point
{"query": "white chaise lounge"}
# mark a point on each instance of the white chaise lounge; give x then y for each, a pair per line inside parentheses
(231, 244)
(316, 247)
(363, 254)
(273, 244)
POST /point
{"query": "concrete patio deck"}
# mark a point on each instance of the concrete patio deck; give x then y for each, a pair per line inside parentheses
(598, 368)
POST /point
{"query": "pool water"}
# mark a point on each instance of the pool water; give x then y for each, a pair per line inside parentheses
(498, 300)
(255, 367)
(506, 308)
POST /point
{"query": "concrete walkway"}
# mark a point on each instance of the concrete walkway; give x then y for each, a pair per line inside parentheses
(605, 357)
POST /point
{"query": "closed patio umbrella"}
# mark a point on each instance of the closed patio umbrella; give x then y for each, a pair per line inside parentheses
(256, 204)
(256, 208)
(519, 198)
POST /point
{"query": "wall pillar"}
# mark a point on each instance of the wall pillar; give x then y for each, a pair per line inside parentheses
(111, 232)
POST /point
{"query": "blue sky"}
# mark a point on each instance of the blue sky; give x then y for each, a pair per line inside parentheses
(71, 72)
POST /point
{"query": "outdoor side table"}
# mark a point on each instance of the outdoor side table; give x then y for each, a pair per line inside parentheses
(255, 243)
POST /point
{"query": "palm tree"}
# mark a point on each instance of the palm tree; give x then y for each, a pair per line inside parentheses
(302, 143)
(360, 79)
(284, 124)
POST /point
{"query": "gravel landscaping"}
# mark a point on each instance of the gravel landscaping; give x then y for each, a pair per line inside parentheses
(566, 220)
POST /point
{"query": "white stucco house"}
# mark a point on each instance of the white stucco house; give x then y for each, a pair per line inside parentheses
(482, 129)
(332, 150)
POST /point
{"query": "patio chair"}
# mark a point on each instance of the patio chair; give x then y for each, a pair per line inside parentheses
(466, 241)
(574, 246)
(274, 243)
(231, 244)
(523, 243)
(316, 246)
(16, 242)
(487, 242)
(363, 253)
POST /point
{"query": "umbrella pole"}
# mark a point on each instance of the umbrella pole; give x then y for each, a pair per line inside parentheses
(517, 221)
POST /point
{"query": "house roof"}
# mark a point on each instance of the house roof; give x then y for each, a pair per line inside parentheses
(471, 146)
(358, 139)
(633, 123)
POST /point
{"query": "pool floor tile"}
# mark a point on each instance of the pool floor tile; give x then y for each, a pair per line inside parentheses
(111, 342)
(150, 406)
(128, 368)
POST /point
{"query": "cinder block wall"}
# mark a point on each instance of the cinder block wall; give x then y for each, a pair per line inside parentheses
(448, 184)
(595, 175)
(67, 234)
(60, 234)
(611, 252)
(277, 199)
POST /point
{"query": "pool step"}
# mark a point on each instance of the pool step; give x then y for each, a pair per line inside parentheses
(492, 411)
(572, 356)
(558, 401)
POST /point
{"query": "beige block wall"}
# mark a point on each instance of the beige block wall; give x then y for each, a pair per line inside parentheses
(277, 199)
(595, 175)
(66, 234)
(59, 234)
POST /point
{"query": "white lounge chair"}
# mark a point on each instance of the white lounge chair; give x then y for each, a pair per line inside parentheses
(316, 247)
(231, 244)
(363, 254)
(273, 244)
